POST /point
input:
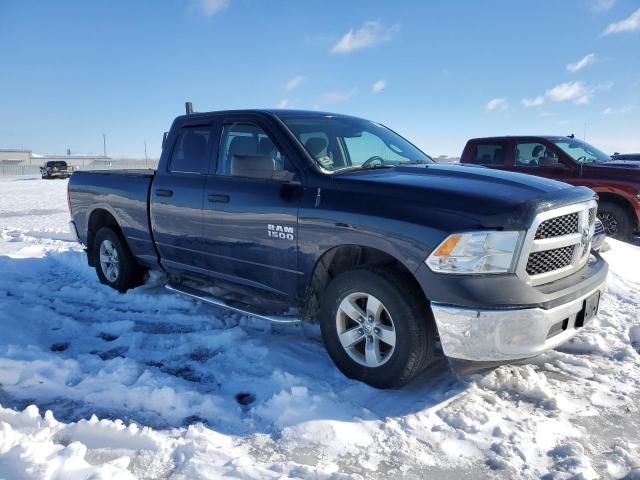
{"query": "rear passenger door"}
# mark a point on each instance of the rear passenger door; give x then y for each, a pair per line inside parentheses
(251, 208)
(177, 197)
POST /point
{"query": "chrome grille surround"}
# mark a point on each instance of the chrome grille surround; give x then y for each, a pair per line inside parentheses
(545, 258)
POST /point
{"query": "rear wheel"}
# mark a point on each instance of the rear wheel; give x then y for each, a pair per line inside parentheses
(615, 220)
(113, 261)
(376, 327)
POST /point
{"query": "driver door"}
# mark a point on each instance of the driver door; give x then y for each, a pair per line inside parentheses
(540, 159)
(250, 210)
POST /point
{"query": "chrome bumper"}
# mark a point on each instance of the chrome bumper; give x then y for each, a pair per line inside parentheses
(505, 334)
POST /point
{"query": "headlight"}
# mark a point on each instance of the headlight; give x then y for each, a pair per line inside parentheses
(475, 252)
(638, 195)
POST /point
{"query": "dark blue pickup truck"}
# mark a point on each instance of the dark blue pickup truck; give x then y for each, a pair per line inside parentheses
(296, 215)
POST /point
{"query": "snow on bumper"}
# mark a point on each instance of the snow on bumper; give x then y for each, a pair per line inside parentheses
(507, 334)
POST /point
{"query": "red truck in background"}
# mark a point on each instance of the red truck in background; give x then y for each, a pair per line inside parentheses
(573, 161)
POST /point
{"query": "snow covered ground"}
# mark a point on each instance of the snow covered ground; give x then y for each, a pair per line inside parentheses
(94, 384)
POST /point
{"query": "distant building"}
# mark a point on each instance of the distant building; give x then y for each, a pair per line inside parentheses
(26, 158)
(14, 157)
(77, 161)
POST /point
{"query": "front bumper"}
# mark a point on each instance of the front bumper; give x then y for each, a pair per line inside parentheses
(485, 335)
(498, 319)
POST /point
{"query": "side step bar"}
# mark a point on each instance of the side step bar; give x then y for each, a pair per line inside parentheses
(218, 302)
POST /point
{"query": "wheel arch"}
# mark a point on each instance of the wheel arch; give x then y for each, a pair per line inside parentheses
(623, 202)
(98, 218)
(342, 258)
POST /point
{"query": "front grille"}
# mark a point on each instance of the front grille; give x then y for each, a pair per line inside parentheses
(558, 243)
(555, 227)
(548, 260)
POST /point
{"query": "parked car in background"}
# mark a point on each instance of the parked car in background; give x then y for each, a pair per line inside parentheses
(56, 169)
(616, 180)
(307, 215)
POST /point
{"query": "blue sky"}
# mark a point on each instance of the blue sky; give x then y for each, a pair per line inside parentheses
(438, 72)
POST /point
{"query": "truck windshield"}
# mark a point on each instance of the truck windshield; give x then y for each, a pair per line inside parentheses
(345, 143)
(581, 151)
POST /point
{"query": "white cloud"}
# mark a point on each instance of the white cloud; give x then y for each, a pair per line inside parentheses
(370, 34)
(630, 24)
(378, 86)
(336, 96)
(602, 5)
(576, 92)
(605, 86)
(497, 104)
(565, 92)
(582, 63)
(210, 7)
(293, 83)
(617, 111)
(284, 103)
(533, 102)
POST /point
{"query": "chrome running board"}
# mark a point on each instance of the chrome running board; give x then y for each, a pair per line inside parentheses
(218, 302)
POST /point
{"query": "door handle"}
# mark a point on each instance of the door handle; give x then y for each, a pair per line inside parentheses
(163, 192)
(217, 198)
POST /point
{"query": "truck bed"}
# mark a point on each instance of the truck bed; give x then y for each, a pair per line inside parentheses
(122, 194)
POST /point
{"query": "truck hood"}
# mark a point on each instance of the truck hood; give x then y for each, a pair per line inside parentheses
(622, 164)
(619, 170)
(478, 196)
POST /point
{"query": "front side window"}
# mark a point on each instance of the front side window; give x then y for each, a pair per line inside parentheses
(533, 154)
(247, 151)
(191, 149)
(581, 151)
(337, 143)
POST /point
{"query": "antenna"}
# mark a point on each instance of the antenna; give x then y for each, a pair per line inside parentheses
(188, 107)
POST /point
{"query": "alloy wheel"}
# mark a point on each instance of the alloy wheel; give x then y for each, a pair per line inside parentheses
(109, 260)
(365, 329)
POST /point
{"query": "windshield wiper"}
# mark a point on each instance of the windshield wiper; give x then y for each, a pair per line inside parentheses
(361, 167)
(416, 162)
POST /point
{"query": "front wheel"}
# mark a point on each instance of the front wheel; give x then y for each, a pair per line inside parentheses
(114, 263)
(615, 220)
(376, 327)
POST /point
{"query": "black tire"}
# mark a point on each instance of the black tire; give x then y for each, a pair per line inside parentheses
(414, 327)
(616, 221)
(129, 273)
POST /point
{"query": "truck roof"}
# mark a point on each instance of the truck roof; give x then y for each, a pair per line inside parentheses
(520, 137)
(278, 112)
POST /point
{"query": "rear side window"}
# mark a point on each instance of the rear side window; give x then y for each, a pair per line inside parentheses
(191, 152)
(488, 154)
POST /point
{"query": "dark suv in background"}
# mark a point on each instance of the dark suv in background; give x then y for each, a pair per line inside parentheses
(56, 169)
(616, 180)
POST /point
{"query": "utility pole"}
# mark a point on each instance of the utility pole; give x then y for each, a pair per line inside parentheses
(584, 136)
(145, 153)
(104, 145)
